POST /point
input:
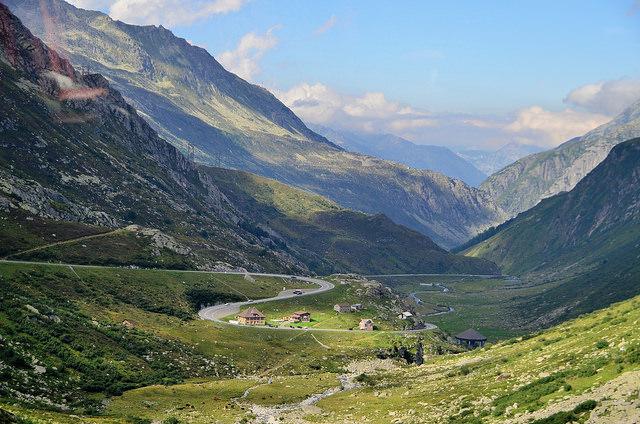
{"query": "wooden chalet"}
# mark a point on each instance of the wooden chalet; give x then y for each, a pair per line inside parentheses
(251, 316)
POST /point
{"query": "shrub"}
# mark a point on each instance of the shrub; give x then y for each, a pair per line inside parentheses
(203, 296)
(601, 344)
(366, 379)
(587, 405)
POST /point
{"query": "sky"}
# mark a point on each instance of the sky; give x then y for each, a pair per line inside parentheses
(463, 74)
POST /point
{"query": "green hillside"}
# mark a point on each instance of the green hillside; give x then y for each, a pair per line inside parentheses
(588, 367)
(94, 165)
(580, 248)
(350, 241)
(79, 336)
(73, 336)
(203, 109)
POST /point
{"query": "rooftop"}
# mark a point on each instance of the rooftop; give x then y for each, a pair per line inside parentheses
(470, 334)
(251, 313)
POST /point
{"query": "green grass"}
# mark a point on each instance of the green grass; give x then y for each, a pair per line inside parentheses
(533, 371)
(197, 402)
(379, 305)
(515, 376)
(479, 303)
(71, 320)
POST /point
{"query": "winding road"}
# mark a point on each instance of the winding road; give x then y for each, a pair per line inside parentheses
(217, 312)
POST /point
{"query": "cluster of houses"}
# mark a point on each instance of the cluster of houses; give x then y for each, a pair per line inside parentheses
(252, 316)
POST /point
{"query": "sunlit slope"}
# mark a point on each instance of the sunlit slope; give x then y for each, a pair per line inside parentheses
(194, 103)
(524, 183)
(585, 241)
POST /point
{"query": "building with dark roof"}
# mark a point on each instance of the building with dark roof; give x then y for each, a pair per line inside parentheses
(300, 316)
(470, 338)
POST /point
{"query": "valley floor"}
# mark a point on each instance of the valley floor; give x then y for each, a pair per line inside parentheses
(109, 322)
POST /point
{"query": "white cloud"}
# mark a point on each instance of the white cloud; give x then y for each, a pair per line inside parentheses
(370, 112)
(330, 23)
(169, 13)
(606, 97)
(91, 4)
(535, 125)
(373, 112)
(244, 61)
(315, 103)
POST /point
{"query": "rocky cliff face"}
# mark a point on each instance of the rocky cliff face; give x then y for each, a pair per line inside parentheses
(391, 147)
(74, 151)
(523, 184)
(582, 244)
(222, 120)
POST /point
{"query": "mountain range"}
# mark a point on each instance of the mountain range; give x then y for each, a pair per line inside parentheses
(492, 161)
(220, 119)
(75, 152)
(581, 245)
(391, 147)
(526, 182)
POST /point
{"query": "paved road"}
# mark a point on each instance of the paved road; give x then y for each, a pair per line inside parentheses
(434, 275)
(217, 312)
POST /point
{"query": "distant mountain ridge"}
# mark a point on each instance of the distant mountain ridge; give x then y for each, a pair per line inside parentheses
(582, 243)
(492, 161)
(75, 153)
(391, 147)
(524, 183)
(224, 121)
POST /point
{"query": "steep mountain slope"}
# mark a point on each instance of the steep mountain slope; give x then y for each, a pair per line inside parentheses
(75, 151)
(523, 184)
(192, 101)
(325, 232)
(391, 147)
(583, 244)
(492, 161)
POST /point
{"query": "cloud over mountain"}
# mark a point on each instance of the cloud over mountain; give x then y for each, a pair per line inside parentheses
(244, 60)
(374, 112)
(168, 13)
(606, 97)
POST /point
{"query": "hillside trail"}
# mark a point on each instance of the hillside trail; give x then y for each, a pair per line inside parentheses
(63, 242)
(294, 412)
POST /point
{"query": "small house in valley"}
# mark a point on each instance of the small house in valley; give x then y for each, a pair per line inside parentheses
(251, 316)
(300, 316)
(366, 324)
(470, 339)
(405, 315)
(342, 307)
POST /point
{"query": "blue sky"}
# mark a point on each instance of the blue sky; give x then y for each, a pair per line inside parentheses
(442, 56)
(529, 71)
